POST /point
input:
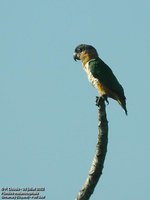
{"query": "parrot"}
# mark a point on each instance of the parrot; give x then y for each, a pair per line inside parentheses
(100, 75)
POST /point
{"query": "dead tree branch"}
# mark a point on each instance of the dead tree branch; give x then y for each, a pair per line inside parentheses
(95, 171)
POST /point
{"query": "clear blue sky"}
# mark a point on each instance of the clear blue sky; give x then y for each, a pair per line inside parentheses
(47, 106)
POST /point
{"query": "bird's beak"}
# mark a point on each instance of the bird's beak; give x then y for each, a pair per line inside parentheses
(75, 56)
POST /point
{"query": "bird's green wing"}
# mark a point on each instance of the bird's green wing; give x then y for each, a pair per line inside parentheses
(104, 74)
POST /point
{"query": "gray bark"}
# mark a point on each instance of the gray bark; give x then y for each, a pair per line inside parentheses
(97, 165)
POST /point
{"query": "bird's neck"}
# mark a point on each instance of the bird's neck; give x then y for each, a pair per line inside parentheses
(86, 58)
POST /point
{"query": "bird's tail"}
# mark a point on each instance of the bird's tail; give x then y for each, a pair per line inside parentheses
(122, 102)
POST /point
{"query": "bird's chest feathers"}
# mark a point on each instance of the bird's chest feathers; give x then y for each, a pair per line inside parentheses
(92, 80)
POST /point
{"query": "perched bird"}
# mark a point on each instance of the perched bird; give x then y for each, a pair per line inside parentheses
(100, 75)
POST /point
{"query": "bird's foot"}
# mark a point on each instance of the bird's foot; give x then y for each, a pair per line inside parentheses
(101, 98)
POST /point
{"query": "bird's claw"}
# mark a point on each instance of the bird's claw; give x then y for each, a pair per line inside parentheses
(101, 98)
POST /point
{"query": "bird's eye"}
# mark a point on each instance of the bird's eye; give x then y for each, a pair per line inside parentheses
(78, 50)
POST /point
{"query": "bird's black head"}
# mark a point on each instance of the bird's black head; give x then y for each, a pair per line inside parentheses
(82, 49)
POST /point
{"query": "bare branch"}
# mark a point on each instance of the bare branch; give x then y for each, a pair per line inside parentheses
(95, 171)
